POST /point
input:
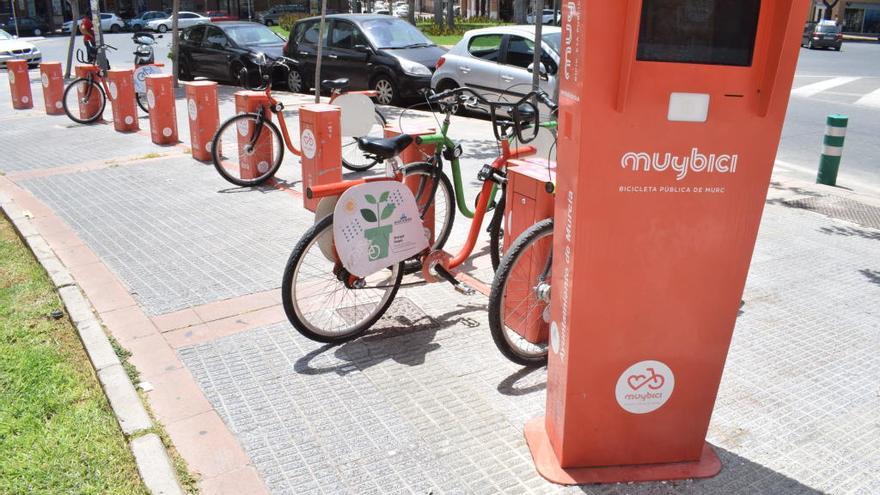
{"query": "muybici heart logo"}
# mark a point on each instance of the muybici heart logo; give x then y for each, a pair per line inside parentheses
(644, 387)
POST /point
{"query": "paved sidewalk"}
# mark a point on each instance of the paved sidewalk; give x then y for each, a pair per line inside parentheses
(184, 270)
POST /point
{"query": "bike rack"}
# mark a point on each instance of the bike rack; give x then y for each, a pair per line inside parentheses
(53, 87)
(20, 84)
(204, 117)
(321, 146)
(121, 85)
(163, 113)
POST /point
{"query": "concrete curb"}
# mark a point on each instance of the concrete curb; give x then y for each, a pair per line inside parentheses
(152, 460)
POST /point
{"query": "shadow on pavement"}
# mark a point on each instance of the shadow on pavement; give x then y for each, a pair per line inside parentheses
(534, 380)
(400, 337)
(851, 232)
(873, 276)
(738, 476)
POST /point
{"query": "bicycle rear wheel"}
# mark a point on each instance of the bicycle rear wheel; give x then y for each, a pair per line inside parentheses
(247, 150)
(142, 102)
(324, 308)
(420, 177)
(352, 157)
(84, 101)
(520, 297)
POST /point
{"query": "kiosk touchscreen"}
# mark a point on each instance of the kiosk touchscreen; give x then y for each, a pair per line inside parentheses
(670, 117)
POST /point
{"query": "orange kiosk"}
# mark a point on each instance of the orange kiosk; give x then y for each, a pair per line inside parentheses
(670, 117)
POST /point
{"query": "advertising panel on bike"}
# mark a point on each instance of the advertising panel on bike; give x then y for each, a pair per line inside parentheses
(376, 225)
(668, 142)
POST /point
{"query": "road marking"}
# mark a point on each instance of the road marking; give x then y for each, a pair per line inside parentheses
(815, 88)
(871, 99)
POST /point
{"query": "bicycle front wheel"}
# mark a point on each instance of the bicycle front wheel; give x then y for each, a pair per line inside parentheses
(439, 209)
(247, 150)
(519, 303)
(84, 101)
(319, 300)
(352, 157)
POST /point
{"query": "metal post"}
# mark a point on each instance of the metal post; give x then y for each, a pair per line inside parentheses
(14, 17)
(320, 45)
(835, 133)
(101, 60)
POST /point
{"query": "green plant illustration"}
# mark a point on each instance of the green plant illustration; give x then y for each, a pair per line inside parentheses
(380, 235)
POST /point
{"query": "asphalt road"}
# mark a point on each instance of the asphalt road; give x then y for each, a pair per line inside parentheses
(826, 82)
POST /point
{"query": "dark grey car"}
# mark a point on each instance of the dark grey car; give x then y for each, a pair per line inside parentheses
(824, 34)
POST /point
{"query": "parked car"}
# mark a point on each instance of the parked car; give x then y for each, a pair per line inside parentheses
(139, 23)
(109, 23)
(12, 48)
(373, 51)
(227, 51)
(497, 61)
(184, 20)
(219, 15)
(546, 17)
(273, 16)
(27, 26)
(823, 34)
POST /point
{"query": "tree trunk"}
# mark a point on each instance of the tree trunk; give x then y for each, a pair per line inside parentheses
(175, 40)
(74, 11)
(829, 15)
(411, 16)
(438, 13)
(520, 11)
(450, 14)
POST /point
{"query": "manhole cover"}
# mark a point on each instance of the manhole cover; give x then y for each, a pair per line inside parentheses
(840, 208)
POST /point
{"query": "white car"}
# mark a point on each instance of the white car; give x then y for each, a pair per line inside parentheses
(110, 23)
(184, 20)
(12, 48)
(546, 17)
(497, 62)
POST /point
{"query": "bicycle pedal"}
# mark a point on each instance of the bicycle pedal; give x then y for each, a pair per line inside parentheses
(465, 289)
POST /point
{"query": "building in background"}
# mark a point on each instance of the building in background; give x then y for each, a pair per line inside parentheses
(854, 16)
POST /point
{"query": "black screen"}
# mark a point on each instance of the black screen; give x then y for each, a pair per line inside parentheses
(720, 32)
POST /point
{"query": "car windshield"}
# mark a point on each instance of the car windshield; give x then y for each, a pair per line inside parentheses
(394, 33)
(4, 35)
(252, 35)
(827, 28)
(554, 40)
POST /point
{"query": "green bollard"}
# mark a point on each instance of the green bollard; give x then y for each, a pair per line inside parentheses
(835, 133)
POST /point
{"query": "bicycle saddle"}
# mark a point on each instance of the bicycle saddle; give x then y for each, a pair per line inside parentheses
(384, 148)
(341, 84)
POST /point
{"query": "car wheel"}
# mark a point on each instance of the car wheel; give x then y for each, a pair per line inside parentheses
(810, 45)
(387, 93)
(239, 75)
(114, 28)
(295, 81)
(38, 32)
(184, 73)
(269, 22)
(163, 28)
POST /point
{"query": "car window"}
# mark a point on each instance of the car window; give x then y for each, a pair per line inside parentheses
(344, 35)
(827, 28)
(105, 16)
(394, 33)
(214, 37)
(252, 34)
(520, 51)
(187, 16)
(194, 35)
(310, 35)
(485, 46)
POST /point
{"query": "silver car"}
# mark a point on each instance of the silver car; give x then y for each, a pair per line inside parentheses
(497, 62)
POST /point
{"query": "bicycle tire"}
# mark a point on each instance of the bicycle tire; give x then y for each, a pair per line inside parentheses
(368, 163)
(440, 238)
(496, 232)
(217, 149)
(141, 99)
(500, 334)
(72, 87)
(328, 303)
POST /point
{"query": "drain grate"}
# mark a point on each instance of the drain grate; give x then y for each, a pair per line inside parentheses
(840, 208)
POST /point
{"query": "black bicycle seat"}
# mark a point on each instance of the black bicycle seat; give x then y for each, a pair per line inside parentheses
(341, 84)
(384, 148)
